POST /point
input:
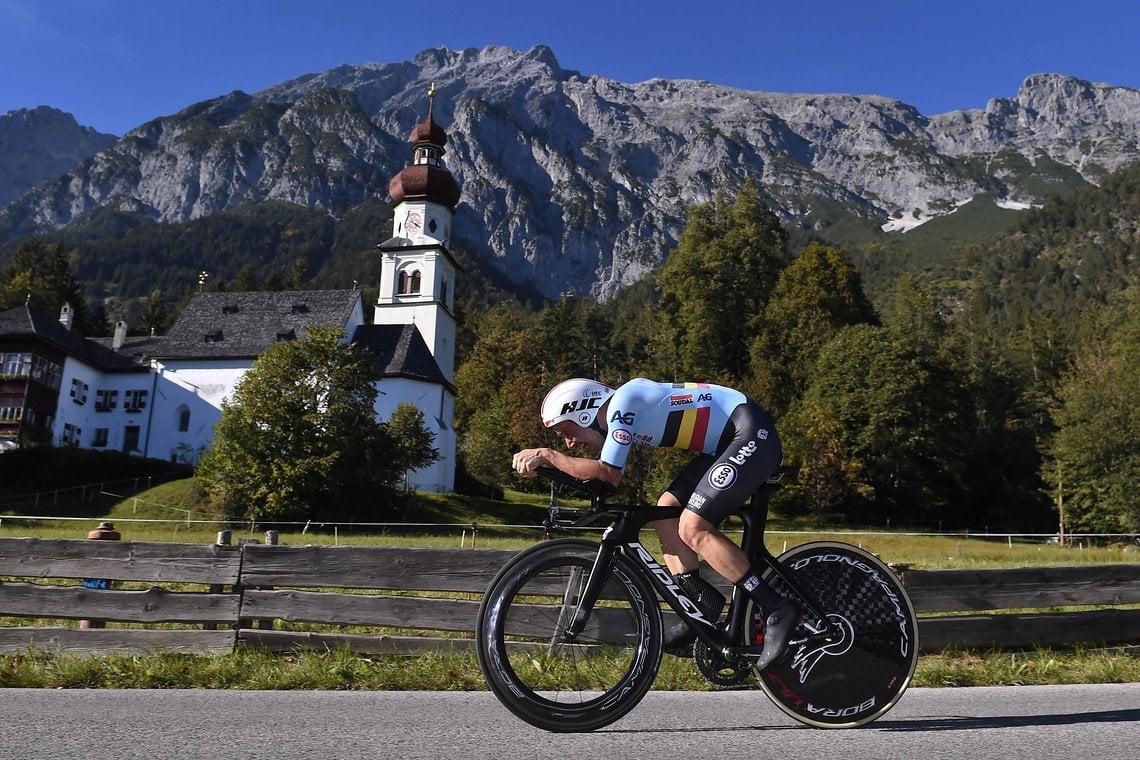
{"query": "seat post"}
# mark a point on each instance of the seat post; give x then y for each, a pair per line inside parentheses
(755, 517)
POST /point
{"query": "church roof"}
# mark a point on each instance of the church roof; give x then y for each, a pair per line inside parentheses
(400, 351)
(243, 325)
(426, 178)
(424, 182)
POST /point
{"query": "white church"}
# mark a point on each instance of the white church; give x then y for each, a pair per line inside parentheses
(161, 396)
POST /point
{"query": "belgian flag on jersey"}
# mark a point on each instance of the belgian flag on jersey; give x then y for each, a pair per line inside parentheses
(687, 426)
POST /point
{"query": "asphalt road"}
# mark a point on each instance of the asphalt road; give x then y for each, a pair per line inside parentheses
(1039, 722)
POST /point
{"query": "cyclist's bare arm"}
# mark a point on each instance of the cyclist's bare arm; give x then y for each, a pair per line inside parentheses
(526, 461)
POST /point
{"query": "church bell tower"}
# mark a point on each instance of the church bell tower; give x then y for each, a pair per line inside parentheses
(417, 274)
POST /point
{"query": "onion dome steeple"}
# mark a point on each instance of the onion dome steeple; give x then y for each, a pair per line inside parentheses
(426, 178)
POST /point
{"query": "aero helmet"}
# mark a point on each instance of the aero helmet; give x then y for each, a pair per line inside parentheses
(577, 400)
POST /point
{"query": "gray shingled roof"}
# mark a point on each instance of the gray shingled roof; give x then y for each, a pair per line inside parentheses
(243, 325)
(24, 322)
(400, 351)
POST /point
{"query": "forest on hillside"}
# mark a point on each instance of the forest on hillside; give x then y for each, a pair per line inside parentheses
(993, 390)
(1000, 395)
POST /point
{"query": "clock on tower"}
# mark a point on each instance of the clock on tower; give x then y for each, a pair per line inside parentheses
(414, 224)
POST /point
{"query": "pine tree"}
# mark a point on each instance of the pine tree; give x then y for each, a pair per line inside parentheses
(715, 285)
(817, 295)
(1095, 454)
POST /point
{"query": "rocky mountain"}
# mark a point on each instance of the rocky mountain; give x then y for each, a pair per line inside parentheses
(575, 181)
(39, 144)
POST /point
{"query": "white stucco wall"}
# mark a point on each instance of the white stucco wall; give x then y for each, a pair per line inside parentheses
(85, 413)
(438, 406)
(195, 387)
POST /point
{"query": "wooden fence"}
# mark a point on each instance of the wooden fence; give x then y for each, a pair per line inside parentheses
(195, 598)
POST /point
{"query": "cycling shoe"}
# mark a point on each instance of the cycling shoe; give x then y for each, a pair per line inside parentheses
(777, 629)
(678, 640)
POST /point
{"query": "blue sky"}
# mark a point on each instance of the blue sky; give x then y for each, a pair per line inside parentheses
(118, 63)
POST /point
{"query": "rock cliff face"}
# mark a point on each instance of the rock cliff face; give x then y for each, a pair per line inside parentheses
(39, 144)
(576, 181)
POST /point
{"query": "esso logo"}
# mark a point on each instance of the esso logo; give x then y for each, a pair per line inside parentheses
(623, 437)
(722, 477)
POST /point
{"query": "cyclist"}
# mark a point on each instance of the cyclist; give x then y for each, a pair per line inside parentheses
(738, 449)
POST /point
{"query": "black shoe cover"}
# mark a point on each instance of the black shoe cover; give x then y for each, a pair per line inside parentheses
(777, 628)
(678, 640)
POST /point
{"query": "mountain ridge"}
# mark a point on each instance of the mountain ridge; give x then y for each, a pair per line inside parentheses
(574, 181)
(39, 143)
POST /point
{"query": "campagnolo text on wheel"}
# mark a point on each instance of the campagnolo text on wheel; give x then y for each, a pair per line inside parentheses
(571, 632)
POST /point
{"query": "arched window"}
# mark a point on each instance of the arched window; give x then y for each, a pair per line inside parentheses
(408, 283)
(183, 419)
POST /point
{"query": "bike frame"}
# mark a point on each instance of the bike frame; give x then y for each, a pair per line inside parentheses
(623, 535)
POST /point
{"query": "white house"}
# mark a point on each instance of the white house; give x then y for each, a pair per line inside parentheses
(216, 339)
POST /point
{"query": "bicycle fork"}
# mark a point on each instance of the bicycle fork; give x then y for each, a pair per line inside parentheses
(588, 595)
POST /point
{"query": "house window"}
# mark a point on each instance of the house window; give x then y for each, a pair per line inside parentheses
(79, 391)
(16, 365)
(106, 400)
(134, 401)
(71, 434)
(409, 283)
(48, 373)
(101, 436)
(11, 413)
(230, 309)
(286, 336)
(214, 337)
(300, 308)
(183, 420)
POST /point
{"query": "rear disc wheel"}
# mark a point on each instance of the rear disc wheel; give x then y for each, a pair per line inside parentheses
(862, 671)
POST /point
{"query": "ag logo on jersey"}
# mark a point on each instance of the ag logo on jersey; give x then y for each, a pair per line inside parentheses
(625, 418)
(722, 477)
(622, 436)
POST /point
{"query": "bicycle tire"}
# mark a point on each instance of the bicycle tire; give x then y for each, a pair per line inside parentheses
(856, 680)
(554, 684)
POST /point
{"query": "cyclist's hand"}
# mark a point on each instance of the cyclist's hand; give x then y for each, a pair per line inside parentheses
(527, 460)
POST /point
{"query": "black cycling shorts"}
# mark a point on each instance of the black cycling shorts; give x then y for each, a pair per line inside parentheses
(749, 451)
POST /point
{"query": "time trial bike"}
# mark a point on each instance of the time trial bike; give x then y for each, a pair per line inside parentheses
(569, 635)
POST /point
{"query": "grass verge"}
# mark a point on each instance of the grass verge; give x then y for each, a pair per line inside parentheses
(344, 670)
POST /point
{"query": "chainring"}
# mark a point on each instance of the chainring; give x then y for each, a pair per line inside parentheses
(716, 669)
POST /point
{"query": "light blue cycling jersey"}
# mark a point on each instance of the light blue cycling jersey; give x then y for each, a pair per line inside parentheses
(672, 415)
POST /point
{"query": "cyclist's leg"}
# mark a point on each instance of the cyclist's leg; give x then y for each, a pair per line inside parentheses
(682, 561)
(722, 554)
(753, 453)
(679, 558)
(749, 452)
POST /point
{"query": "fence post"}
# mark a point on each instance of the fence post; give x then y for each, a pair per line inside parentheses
(105, 532)
(223, 539)
(272, 538)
